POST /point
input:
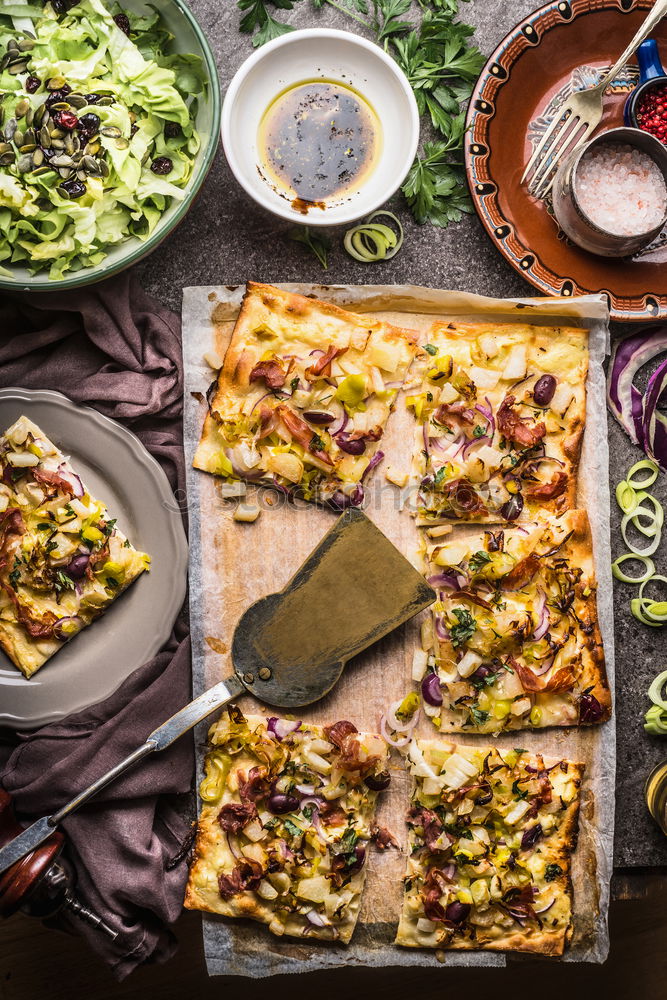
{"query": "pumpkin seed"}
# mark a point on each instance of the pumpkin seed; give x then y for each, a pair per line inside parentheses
(104, 168)
(122, 143)
(24, 163)
(91, 165)
(5, 147)
(60, 106)
(82, 175)
(55, 83)
(57, 144)
(45, 137)
(41, 115)
(7, 158)
(57, 133)
(106, 102)
(4, 62)
(28, 147)
(19, 137)
(13, 45)
(38, 157)
(17, 67)
(69, 143)
(111, 131)
(10, 129)
(77, 101)
(26, 44)
(64, 172)
(42, 170)
(92, 148)
(21, 108)
(61, 160)
(30, 116)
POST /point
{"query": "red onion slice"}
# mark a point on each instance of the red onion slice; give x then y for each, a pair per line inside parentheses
(542, 614)
(637, 412)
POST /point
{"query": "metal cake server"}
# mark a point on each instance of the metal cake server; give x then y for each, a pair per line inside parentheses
(289, 648)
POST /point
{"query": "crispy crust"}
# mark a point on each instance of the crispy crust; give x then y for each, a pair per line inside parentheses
(212, 855)
(280, 319)
(557, 848)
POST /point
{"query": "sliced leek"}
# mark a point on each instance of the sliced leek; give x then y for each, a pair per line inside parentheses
(372, 241)
(623, 577)
(639, 467)
(655, 720)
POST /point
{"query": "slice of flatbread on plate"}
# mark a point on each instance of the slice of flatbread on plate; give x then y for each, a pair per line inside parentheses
(63, 559)
(285, 824)
(515, 641)
(501, 411)
(303, 396)
(492, 831)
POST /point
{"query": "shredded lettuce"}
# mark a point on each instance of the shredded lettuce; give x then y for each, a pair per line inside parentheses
(150, 98)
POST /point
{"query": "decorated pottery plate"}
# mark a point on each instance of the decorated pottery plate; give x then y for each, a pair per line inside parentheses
(116, 467)
(565, 46)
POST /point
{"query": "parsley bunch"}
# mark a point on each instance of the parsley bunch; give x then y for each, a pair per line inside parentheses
(441, 64)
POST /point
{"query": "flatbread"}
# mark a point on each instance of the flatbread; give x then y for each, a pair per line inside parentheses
(63, 559)
(303, 396)
(515, 641)
(491, 835)
(307, 853)
(484, 449)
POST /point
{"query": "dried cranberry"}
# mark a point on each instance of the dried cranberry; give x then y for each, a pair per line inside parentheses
(162, 165)
(93, 98)
(171, 130)
(66, 120)
(73, 188)
(123, 22)
(32, 84)
(56, 96)
(62, 6)
(133, 130)
(590, 709)
(88, 124)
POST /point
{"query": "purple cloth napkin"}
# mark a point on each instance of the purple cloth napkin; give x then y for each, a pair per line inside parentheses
(115, 348)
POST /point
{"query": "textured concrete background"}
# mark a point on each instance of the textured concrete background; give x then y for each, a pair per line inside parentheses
(226, 238)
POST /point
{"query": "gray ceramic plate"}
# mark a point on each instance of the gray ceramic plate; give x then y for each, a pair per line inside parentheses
(118, 470)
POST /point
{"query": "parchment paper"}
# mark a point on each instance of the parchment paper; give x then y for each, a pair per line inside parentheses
(232, 565)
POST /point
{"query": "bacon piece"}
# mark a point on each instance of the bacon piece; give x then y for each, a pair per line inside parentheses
(322, 367)
(521, 573)
(433, 828)
(301, 432)
(52, 479)
(246, 876)
(11, 525)
(267, 421)
(343, 866)
(549, 491)
(455, 415)
(331, 814)
(338, 732)
(272, 372)
(435, 884)
(235, 815)
(257, 784)
(383, 838)
(562, 680)
(467, 595)
(516, 428)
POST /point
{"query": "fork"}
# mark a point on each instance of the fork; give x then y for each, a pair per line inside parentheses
(580, 115)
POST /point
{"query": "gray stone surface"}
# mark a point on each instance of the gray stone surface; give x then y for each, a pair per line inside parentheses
(226, 238)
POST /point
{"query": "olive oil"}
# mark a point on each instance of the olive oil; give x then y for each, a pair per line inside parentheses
(655, 792)
(318, 140)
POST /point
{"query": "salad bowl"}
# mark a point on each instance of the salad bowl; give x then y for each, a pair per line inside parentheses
(182, 35)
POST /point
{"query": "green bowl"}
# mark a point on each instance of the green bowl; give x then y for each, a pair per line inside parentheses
(188, 37)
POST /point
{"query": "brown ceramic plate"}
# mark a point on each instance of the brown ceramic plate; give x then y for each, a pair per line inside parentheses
(562, 46)
(119, 470)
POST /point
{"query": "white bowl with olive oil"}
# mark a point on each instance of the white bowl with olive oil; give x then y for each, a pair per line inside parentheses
(320, 126)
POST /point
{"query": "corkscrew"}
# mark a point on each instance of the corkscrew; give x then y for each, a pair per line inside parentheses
(42, 883)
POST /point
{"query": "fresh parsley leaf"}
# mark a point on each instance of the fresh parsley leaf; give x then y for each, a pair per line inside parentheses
(257, 16)
(478, 715)
(44, 526)
(62, 582)
(14, 577)
(465, 629)
(112, 583)
(431, 349)
(439, 476)
(292, 828)
(316, 443)
(552, 872)
(348, 841)
(108, 527)
(478, 431)
(317, 243)
(518, 750)
(307, 811)
(521, 793)
(477, 560)
(294, 384)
